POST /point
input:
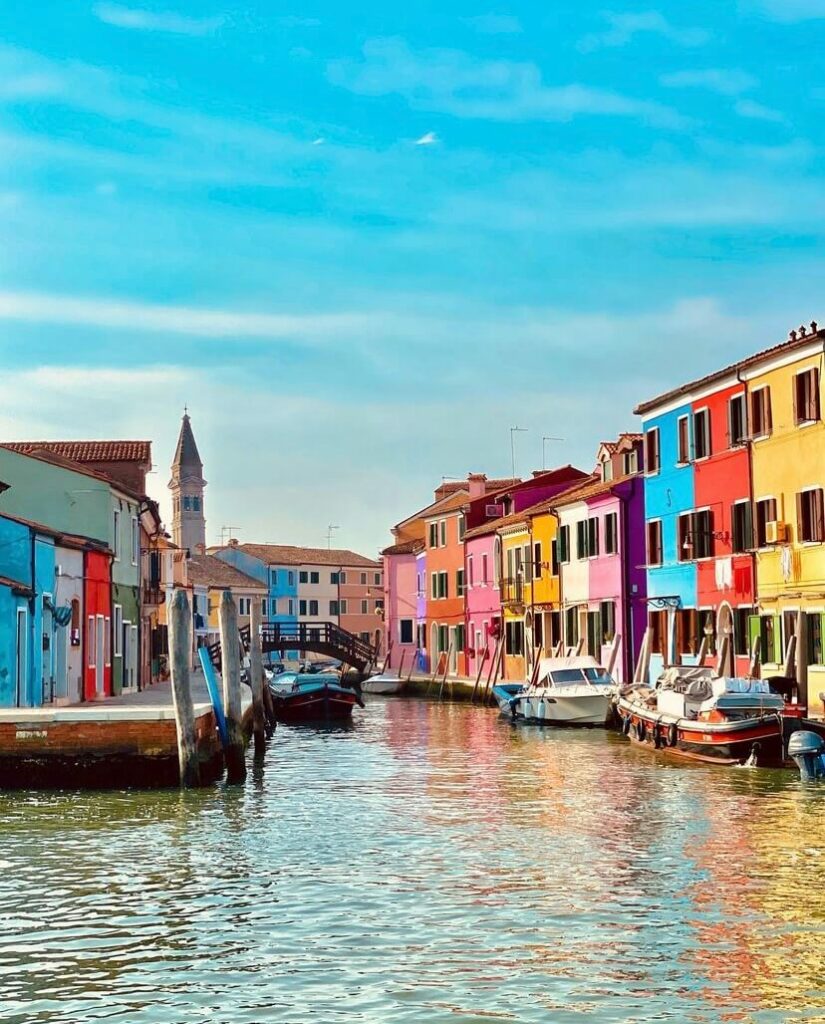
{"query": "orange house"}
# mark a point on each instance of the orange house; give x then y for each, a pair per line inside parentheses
(445, 584)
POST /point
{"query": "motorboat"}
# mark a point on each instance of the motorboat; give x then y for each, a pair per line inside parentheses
(312, 697)
(574, 690)
(693, 713)
(386, 683)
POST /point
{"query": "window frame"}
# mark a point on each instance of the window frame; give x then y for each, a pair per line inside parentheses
(701, 415)
(661, 548)
(683, 440)
(653, 466)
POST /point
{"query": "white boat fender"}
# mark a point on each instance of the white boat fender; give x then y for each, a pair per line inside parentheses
(672, 734)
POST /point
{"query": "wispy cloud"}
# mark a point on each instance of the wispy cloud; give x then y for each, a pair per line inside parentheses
(428, 139)
(758, 112)
(725, 81)
(495, 24)
(156, 21)
(789, 10)
(46, 308)
(623, 28)
(458, 83)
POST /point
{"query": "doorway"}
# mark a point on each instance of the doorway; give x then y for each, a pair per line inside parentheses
(22, 660)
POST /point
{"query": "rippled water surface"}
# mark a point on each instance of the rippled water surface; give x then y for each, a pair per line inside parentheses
(430, 864)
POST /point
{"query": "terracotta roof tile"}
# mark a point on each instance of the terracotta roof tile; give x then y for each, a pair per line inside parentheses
(406, 547)
(89, 451)
(208, 571)
(288, 554)
(451, 504)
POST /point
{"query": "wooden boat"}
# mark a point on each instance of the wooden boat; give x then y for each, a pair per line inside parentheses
(385, 683)
(693, 714)
(305, 697)
(573, 690)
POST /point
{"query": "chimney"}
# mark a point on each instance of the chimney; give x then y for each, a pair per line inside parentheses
(477, 485)
(233, 542)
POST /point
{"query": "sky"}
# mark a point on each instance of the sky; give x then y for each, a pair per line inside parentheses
(361, 242)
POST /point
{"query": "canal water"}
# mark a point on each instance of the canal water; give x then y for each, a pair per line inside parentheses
(430, 864)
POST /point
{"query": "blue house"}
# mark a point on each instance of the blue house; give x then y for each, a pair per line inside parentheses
(27, 613)
(261, 562)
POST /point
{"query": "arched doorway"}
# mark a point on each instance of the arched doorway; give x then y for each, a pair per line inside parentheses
(725, 639)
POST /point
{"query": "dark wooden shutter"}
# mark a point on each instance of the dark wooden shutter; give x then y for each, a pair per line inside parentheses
(801, 533)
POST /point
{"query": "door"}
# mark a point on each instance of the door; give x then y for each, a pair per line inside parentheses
(100, 655)
(61, 663)
(22, 660)
(127, 655)
(47, 654)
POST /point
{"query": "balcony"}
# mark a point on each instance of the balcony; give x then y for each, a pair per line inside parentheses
(512, 590)
(152, 594)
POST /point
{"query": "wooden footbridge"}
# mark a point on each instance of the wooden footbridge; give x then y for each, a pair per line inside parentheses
(326, 638)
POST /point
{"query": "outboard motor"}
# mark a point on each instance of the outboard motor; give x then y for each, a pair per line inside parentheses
(808, 751)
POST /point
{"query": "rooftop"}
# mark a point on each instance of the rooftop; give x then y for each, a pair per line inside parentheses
(208, 571)
(288, 554)
(406, 547)
(89, 451)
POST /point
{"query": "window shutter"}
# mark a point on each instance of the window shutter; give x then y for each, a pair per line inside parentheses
(818, 517)
(747, 539)
(815, 394)
(801, 533)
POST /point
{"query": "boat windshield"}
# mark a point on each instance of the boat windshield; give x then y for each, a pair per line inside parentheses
(598, 676)
(567, 677)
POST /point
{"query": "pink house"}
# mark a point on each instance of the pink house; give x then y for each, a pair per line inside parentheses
(482, 596)
(401, 587)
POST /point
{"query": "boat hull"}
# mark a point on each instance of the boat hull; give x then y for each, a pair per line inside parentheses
(553, 709)
(385, 685)
(322, 703)
(760, 741)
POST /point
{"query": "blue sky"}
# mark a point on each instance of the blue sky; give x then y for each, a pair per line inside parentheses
(361, 243)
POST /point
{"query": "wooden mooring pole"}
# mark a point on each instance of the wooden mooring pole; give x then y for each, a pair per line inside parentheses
(256, 677)
(231, 675)
(180, 645)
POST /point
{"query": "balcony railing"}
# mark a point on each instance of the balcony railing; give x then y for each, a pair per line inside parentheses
(512, 590)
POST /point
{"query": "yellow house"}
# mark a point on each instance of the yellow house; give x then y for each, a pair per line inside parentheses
(787, 442)
(544, 593)
(516, 575)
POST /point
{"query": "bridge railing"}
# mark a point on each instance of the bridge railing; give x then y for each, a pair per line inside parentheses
(305, 636)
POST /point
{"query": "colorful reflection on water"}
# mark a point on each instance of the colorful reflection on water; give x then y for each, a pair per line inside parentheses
(428, 864)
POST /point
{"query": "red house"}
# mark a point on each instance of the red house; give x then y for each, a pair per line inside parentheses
(97, 650)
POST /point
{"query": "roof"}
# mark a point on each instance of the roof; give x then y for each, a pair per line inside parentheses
(451, 504)
(545, 476)
(186, 453)
(794, 342)
(55, 459)
(406, 547)
(288, 554)
(591, 490)
(89, 451)
(22, 588)
(208, 571)
(61, 538)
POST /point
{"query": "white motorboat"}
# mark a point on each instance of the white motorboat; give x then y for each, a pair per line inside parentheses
(575, 690)
(386, 683)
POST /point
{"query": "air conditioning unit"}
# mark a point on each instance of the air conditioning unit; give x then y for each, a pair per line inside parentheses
(495, 511)
(776, 533)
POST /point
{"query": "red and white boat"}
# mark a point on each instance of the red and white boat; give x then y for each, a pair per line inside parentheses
(694, 714)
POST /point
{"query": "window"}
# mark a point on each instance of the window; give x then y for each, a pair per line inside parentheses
(741, 630)
(469, 572)
(701, 434)
(687, 631)
(462, 527)
(106, 624)
(737, 420)
(334, 578)
(761, 418)
(363, 579)
(313, 608)
(405, 631)
(658, 632)
(765, 513)
(302, 607)
(806, 396)
(343, 606)
(684, 537)
(537, 563)
(303, 577)
(484, 571)
(116, 532)
(815, 650)
(263, 607)
(196, 507)
(703, 540)
(442, 533)
(554, 557)
(460, 639)
(135, 541)
(742, 523)
(630, 462)
(334, 608)
(377, 579)
(809, 516)
(118, 630)
(443, 584)
(592, 537)
(607, 618)
(434, 585)
(290, 606)
(571, 626)
(342, 577)
(683, 440)
(275, 606)
(514, 638)
(594, 634)
(652, 461)
(564, 545)
(581, 539)
(291, 578)
(244, 605)
(611, 533)
(607, 470)
(365, 607)
(314, 577)
(459, 582)
(768, 637)
(497, 561)
(433, 535)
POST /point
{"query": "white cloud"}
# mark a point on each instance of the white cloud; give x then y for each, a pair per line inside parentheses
(625, 27)
(457, 83)
(319, 141)
(725, 81)
(495, 24)
(45, 308)
(790, 10)
(428, 139)
(758, 112)
(156, 21)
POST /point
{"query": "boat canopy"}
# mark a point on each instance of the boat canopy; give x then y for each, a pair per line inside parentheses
(578, 670)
